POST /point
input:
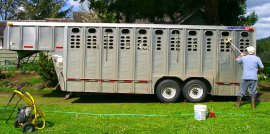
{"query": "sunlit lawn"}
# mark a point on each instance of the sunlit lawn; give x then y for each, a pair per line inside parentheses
(110, 114)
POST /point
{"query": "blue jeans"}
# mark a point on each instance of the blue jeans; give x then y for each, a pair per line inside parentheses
(251, 85)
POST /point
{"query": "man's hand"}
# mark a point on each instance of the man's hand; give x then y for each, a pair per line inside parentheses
(239, 57)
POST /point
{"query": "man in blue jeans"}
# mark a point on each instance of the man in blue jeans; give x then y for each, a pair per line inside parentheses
(250, 64)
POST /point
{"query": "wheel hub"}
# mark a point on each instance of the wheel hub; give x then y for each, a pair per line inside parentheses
(195, 91)
(168, 91)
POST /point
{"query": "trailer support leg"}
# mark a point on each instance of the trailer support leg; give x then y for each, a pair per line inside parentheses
(68, 96)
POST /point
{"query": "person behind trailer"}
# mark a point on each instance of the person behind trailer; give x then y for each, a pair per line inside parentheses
(250, 64)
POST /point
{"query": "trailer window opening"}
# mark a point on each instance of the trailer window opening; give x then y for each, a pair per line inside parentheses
(208, 43)
(158, 32)
(208, 33)
(92, 30)
(225, 33)
(125, 42)
(75, 40)
(175, 43)
(142, 41)
(91, 42)
(108, 30)
(125, 31)
(75, 30)
(192, 44)
(142, 31)
(175, 32)
(158, 42)
(192, 33)
(244, 34)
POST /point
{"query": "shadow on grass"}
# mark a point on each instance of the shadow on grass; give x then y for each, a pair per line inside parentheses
(135, 98)
(55, 93)
(48, 124)
(138, 98)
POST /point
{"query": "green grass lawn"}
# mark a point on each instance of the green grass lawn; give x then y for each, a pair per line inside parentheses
(113, 114)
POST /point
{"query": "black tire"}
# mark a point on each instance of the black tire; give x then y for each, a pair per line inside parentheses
(195, 91)
(168, 91)
(16, 123)
(28, 127)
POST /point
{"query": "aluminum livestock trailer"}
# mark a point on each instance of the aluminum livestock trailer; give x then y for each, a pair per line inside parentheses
(165, 60)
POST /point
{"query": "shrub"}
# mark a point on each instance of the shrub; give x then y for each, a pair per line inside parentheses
(45, 68)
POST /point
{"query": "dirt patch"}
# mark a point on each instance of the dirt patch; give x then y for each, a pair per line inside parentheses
(28, 80)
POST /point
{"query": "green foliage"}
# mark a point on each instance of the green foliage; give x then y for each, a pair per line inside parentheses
(46, 70)
(263, 49)
(11, 69)
(249, 20)
(216, 11)
(28, 66)
(101, 8)
(153, 10)
(8, 9)
(41, 9)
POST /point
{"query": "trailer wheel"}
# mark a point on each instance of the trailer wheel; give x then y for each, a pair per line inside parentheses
(28, 127)
(168, 91)
(195, 91)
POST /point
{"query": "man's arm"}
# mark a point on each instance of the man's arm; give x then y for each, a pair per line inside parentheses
(239, 57)
(260, 64)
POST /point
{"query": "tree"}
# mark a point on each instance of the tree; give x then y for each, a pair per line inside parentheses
(263, 49)
(103, 11)
(45, 68)
(41, 9)
(217, 12)
(8, 9)
(232, 12)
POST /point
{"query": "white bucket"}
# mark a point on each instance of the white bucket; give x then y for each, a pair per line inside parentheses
(200, 112)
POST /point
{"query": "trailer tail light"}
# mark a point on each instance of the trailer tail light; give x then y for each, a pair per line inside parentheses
(249, 28)
(59, 47)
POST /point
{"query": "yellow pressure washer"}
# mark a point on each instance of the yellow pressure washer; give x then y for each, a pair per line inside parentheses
(29, 117)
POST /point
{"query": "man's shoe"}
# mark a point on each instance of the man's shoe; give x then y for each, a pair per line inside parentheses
(238, 102)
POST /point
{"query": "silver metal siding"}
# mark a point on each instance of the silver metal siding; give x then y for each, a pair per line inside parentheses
(193, 53)
(74, 57)
(175, 52)
(108, 62)
(45, 41)
(29, 38)
(209, 53)
(142, 60)
(14, 38)
(125, 53)
(225, 62)
(159, 43)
